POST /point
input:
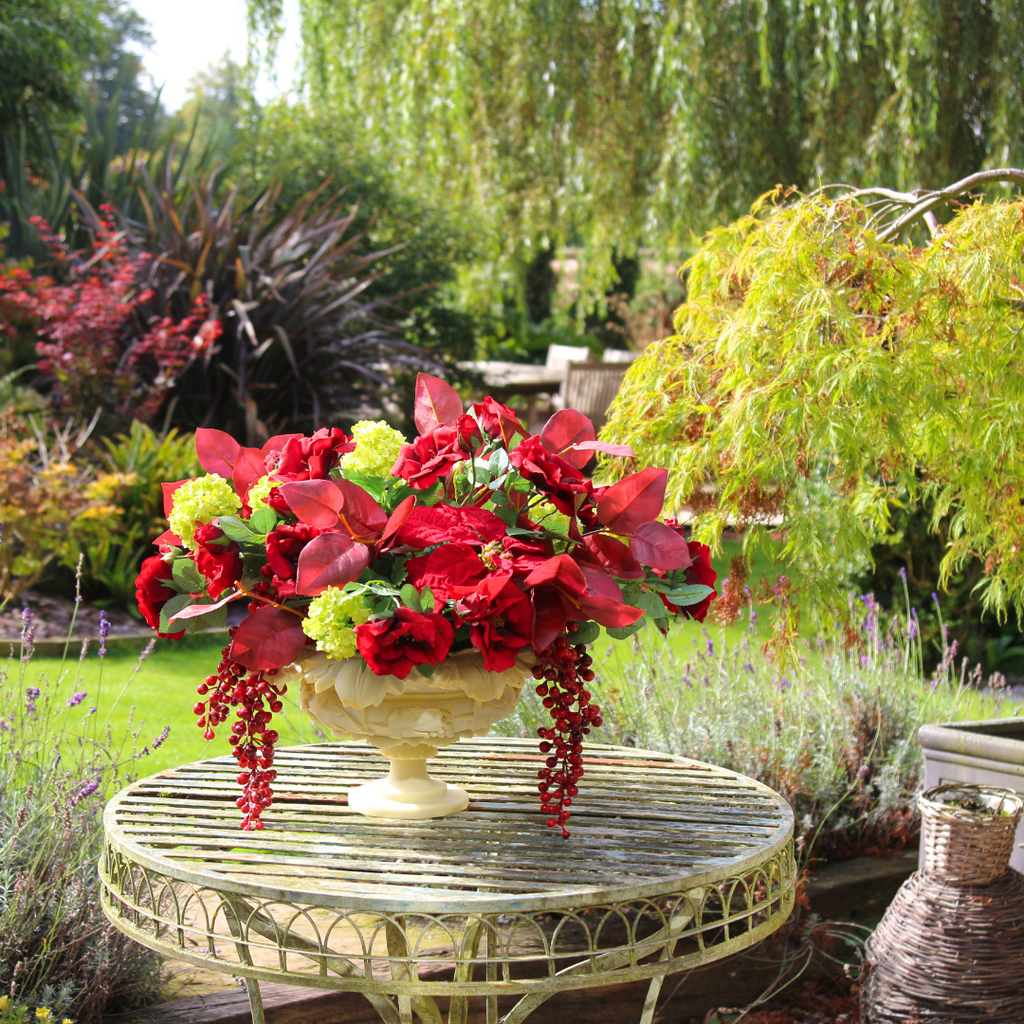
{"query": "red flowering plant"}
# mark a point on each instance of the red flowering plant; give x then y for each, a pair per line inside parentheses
(474, 535)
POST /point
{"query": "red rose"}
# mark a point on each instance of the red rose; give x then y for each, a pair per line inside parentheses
(217, 558)
(498, 421)
(552, 475)
(310, 458)
(500, 619)
(394, 646)
(152, 594)
(432, 456)
(449, 566)
(700, 573)
(285, 544)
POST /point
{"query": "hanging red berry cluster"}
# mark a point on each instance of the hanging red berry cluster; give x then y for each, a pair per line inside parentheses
(252, 740)
(562, 671)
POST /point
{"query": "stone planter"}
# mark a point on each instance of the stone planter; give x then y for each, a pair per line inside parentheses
(408, 720)
(989, 753)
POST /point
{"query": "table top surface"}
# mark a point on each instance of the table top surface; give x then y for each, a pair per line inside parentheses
(644, 823)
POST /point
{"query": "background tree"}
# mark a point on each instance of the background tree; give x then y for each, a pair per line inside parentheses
(609, 123)
(851, 391)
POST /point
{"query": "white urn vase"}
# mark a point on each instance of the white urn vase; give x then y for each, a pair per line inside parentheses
(407, 719)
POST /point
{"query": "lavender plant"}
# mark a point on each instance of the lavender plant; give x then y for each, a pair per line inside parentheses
(58, 763)
(834, 729)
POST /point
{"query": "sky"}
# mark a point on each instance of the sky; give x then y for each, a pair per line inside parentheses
(190, 35)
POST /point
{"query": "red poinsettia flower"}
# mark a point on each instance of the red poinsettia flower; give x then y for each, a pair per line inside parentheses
(432, 456)
(440, 524)
(284, 545)
(698, 572)
(217, 558)
(152, 593)
(500, 619)
(395, 646)
(519, 554)
(447, 568)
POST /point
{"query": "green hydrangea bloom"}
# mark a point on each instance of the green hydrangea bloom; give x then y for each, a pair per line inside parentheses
(377, 447)
(201, 500)
(258, 493)
(331, 619)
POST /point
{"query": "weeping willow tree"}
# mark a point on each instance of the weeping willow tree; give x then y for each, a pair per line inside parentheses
(828, 376)
(608, 123)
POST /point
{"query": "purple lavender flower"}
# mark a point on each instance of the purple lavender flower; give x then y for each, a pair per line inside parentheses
(903, 573)
(31, 696)
(76, 698)
(89, 787)
(159, 741)
(28, 632)
(104, 633)
(711, 646)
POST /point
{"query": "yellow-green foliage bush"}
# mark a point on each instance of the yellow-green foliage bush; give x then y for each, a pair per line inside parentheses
(51, 501)
(826, 376)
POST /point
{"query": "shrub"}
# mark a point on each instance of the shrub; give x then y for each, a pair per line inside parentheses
(57, 766)
(136, 463)
(99, 348)
(51, 500)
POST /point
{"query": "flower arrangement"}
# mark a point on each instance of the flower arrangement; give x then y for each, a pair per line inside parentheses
(474, 535)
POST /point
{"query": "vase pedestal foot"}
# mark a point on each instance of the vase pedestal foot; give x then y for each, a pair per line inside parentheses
(407, 792)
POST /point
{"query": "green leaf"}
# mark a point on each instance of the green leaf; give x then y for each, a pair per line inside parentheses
(622, 632)
(631, 593)
(398, 572)
(374, 485)
(498, 462)
(234, 529)
(587, 633)
(426, 670)
(411, 597)
(263, 520)
(427, 599)
(508, 514)
(172, 607)
(693, 594)
(187, 576)
(217, 619)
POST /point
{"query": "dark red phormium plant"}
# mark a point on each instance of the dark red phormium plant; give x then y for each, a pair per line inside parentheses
(473, 535)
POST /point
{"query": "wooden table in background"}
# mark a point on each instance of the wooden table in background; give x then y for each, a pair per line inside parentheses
(672, 864)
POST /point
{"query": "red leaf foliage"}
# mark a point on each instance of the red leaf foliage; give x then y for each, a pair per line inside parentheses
(437, 404)
(249, 466)
(330, 560)
(316, 502)
(659, 546)
(269, 638)
(634, 500)
(217, 451)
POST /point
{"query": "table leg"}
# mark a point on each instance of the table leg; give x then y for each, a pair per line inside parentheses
(492, 967)
(255, 1001)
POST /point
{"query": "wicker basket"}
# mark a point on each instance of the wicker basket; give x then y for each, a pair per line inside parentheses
(965, 847)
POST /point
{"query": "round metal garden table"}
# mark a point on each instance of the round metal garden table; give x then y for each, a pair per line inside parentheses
(671, 864)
